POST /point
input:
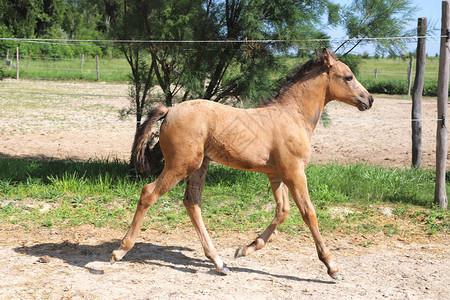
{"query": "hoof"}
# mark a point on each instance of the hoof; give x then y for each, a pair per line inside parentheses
(224, 271)
(239, 252)
(116, 256)
(335, 275)
(113, 260)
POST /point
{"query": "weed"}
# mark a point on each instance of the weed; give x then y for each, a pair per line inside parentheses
(366, 244)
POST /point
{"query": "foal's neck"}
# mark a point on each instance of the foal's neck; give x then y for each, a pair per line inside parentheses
(307, 98)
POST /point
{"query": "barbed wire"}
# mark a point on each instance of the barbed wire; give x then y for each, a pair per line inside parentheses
(226, 41)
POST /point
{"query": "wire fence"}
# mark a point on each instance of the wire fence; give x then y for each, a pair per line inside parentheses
(110, 69)
(115, 96)
(67, 41)
(380, 74)
(114, 69)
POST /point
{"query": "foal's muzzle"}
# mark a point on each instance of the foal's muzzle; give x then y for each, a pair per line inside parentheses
(364, 103)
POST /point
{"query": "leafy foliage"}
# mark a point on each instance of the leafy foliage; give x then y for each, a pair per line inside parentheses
(376, 18)
(215, 71)
(80, 19)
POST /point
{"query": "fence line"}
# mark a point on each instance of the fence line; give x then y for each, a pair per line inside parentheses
(135, 122)
(46, 64)
(403, 102)
(63, 94)
(79, 69)
(53, 58)
(226, 41)
(60, 41)
(390, 73)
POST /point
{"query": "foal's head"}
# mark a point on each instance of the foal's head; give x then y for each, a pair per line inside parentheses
(343, 86)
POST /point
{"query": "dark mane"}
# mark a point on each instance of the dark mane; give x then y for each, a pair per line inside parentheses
(294, 76)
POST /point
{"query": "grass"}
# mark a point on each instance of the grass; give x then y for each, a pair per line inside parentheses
(111, 70)
(118, 70)
(348, 199)
(389, 68)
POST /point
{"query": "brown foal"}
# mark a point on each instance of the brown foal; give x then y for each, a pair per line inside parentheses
(273, 139)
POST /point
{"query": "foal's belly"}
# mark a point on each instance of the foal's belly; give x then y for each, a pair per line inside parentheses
(242, 156)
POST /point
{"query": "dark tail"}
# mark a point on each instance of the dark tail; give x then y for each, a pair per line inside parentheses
(143, 134)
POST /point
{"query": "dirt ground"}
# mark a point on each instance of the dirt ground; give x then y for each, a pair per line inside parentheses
(74, 263)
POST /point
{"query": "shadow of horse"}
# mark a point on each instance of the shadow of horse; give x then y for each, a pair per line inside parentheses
(174, 257)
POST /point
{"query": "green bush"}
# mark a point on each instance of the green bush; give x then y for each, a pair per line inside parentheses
(50, 50)
(384, 86)
(397, 87)
(430, 89)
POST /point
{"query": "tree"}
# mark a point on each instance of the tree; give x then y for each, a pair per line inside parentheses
(172, 20)
(126, 23)
(245, 68)
(230, 62)
(18, 18)
(60, 19)
(49, 17)
(376, 18)
(234, 66)
(35, 18)
(85, 19)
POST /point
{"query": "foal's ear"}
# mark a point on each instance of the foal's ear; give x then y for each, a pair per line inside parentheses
(318, 55)
(328, 58)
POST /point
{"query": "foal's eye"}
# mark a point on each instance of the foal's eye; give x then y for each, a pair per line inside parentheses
(348, 78)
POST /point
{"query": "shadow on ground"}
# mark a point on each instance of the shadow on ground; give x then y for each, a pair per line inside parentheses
(174, 257)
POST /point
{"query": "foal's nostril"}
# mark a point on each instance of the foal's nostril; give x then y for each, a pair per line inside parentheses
(370, 100)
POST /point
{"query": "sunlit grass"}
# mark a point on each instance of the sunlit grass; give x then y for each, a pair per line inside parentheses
(111, 70)
(102, 193)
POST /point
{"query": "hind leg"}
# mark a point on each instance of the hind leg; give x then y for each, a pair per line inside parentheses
(149, 194)
(281, 195)
(193, 202)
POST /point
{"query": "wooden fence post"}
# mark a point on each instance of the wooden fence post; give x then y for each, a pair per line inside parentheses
(98, 68)
(82, 61)
(410, 71)
(376, 73)
(9, 63)
(416, 113)
(17, 63)
(440, 194)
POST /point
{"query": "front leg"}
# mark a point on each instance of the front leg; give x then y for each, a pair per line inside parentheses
(297, 185)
